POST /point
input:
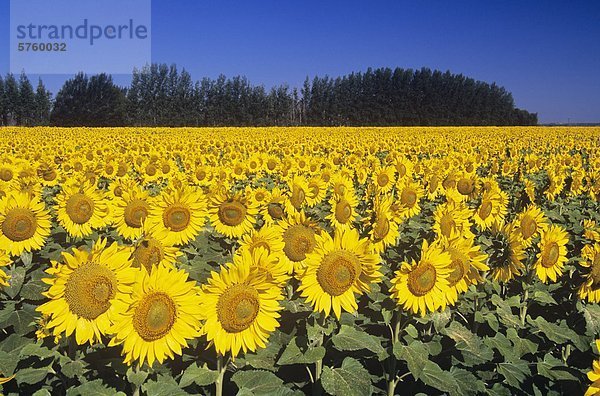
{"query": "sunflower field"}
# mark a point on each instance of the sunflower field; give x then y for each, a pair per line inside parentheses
(340, 261)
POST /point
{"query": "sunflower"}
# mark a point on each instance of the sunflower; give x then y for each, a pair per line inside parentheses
(8, 170)
(240, 308)
(467, 185)
(506, 253)
(161, 314)
(553, 253)
(555, 185)
(149, 171)
(268, 237)
(48, 174)
(404, 167)
(591, 230)
(422, 286)
(384, 179)
(24, 223)
(336, 270)
(492, 209)
(177, 216)
(407, 203)
(341, 184)
(343, 211)
(203, 175)
(86, 289)
(530, 190)
(298, 192)
(274, 210)
(4, 261)
(384, 230)
(467, 261)
(450, 218)
(530, 224)
(434, 186)
(232, 215)
(317, 189)
(130, 210)
(590, 289)
(276, 269)
(150, 252)
(258, 197)
(594, 376)
(298, 233)
(81, 209)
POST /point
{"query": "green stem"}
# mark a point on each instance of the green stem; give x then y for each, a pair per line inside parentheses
(392, 380)
(221, 368)
(319, 363)
(524, 307)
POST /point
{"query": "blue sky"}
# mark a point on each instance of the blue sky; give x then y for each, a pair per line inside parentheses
(546, 53)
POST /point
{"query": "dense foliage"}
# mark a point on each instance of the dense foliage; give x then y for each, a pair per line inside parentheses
(345, 261)
(20, 105)
(160, 95)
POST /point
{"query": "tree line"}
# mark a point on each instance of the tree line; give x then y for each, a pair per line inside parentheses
(162, 95)
(20, 104)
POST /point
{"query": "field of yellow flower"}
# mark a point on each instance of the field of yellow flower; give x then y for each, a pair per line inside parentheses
(343, 261)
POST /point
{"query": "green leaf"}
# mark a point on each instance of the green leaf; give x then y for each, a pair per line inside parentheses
(23, 320)
(37, 350)
(499, 390)
(503, 345)
(560, 334)
(412, 331)
(259, 382)
(591, 313)
(440, 319)
(522, 346)
(93, 388)
(74, 368)
(416, 355)
(8, 363)
(468, 383)
(555, 369)
(264, 358)
(294, 355)
(33, 288)
(544, 298)
(514, 372)
(163, 386)
(200, 375)
(13, 344)
(434, 376)
(5, 313)
(492, 321)
(473, 350)
(26, 258)
(504, 312)
(352, 379)
(137, 377)
(31, 375)
(351, 339)
(17, 276)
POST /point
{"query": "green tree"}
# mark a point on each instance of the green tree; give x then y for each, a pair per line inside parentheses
(11, 95)
(94, 101)
(26, 103)
(43, 104)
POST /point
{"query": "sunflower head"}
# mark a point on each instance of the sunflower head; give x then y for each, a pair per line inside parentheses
(240, 307)
(337, 269)
(83, 289)
(161, 313)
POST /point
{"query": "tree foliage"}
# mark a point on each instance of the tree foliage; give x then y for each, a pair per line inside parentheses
(162, 95)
